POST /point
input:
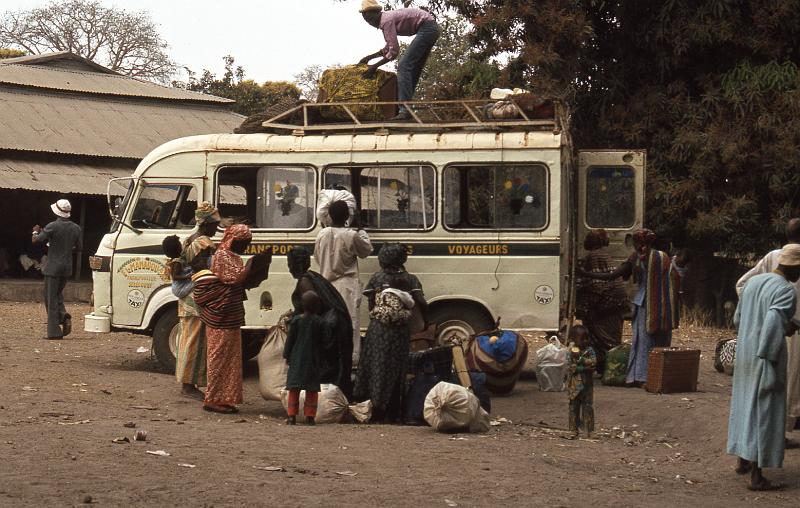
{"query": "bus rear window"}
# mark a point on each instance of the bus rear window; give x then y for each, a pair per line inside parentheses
(610, 197)
(507, 196)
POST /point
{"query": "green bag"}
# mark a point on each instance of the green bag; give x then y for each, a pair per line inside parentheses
(616, 366)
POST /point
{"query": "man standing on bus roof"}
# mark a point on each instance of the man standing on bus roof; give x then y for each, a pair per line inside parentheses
(336, 251)
(405, 22)
(64, 237)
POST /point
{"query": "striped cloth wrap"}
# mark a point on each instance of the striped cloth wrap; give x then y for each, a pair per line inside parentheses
(501, 376)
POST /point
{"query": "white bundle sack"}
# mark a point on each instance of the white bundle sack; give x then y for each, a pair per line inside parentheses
(328, 196)
(551, 366)
(331, 405)
(272, 367)
(452, 408)
(361, 412)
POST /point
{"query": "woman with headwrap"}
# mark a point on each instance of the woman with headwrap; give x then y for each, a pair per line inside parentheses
(190, 356)
(656, 305)
(383, 360)
(600, 304)
(220, 293)
(336, 349)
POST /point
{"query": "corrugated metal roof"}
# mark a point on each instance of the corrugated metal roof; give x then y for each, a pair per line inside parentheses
(53, 78)
(63, 177)
(85, 125)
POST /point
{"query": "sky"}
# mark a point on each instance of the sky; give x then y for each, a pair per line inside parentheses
(272, 39)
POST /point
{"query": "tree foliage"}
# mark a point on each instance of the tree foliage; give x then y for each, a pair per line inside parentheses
(124, 41)
(308, 81)
(250, 97)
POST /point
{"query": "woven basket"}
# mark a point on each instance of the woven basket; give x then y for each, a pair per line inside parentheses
(672, 370)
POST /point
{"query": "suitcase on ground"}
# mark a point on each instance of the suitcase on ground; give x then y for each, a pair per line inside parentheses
(437, 360)
(672, 370)
(417, 388)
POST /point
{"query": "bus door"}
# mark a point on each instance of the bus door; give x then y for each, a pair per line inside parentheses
(611, 197)
(158, 208)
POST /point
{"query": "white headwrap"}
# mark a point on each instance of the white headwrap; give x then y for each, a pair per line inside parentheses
(790, 255)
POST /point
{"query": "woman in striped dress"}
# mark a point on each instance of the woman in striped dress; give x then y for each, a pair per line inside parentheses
(220, 293)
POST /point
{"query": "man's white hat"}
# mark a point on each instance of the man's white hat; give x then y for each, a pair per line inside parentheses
(62, 208)
(790, 255)
(370, 5)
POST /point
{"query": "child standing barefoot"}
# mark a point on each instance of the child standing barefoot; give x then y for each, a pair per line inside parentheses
(580, 383)
(300, 352)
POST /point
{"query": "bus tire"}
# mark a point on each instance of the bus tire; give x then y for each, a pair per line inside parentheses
(459, 321)
(165, 338)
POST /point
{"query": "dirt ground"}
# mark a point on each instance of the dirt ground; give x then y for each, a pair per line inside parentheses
(64, 402)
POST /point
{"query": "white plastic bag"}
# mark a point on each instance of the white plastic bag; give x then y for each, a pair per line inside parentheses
(272, 367)
(451, 408)
(328, 196)
(331, 404)
(551, 366)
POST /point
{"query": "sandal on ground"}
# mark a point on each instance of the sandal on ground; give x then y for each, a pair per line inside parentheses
(220, 409)
(764, 485)
(744, 467)
(196, 395)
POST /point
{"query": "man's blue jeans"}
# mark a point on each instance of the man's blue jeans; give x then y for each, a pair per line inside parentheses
(410, 66)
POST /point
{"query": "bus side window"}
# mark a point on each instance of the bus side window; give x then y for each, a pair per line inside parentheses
(610, 197)
(507, 196)
(390, 197)
(165, 206)
(268, 197)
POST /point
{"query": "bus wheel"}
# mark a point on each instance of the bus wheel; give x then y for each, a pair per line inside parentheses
(165, 339)
(456, 323)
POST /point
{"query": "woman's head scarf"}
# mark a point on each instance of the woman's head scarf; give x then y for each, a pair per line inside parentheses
(299, 260)
(206, 213)
(233, 233)
(643, 237)
(393, 256)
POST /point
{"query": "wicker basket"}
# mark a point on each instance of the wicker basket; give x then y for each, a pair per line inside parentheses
(672, 370)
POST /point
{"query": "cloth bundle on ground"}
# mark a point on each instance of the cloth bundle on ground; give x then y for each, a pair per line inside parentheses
(616, 370)
(332, 406)
(347, 84)
(328, 196)
(500, 359)
(453, 408)
(725, 356)
(272, 368)
(551, 366)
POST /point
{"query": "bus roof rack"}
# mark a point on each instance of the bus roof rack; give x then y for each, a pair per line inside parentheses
(426, 116)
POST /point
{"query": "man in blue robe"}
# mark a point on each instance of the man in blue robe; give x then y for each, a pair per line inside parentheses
(758, 402)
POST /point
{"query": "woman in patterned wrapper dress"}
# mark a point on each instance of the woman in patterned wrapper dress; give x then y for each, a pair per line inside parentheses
(601, 304)
(220, 293)
(190, 357)
(386, 346)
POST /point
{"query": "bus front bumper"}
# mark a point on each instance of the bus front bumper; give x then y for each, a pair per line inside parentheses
(96, 324)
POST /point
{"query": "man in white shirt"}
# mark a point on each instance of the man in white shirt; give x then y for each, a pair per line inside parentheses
(336, 251)
(767, 264)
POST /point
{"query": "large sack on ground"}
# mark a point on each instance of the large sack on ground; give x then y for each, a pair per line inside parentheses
(272, 367)
(551, 366)
(616, 366)
(453, 408)
(328, 196)
(501, 359)
(331, 405)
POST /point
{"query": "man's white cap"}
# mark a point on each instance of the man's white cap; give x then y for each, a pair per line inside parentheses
(62, 208)
(790, 255)
(370, 5)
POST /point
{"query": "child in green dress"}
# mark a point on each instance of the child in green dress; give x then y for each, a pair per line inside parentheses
(580, 383)
(301, 353)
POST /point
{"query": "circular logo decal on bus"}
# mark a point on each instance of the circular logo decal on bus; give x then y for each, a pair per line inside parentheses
(135, 298)
(543, 295)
